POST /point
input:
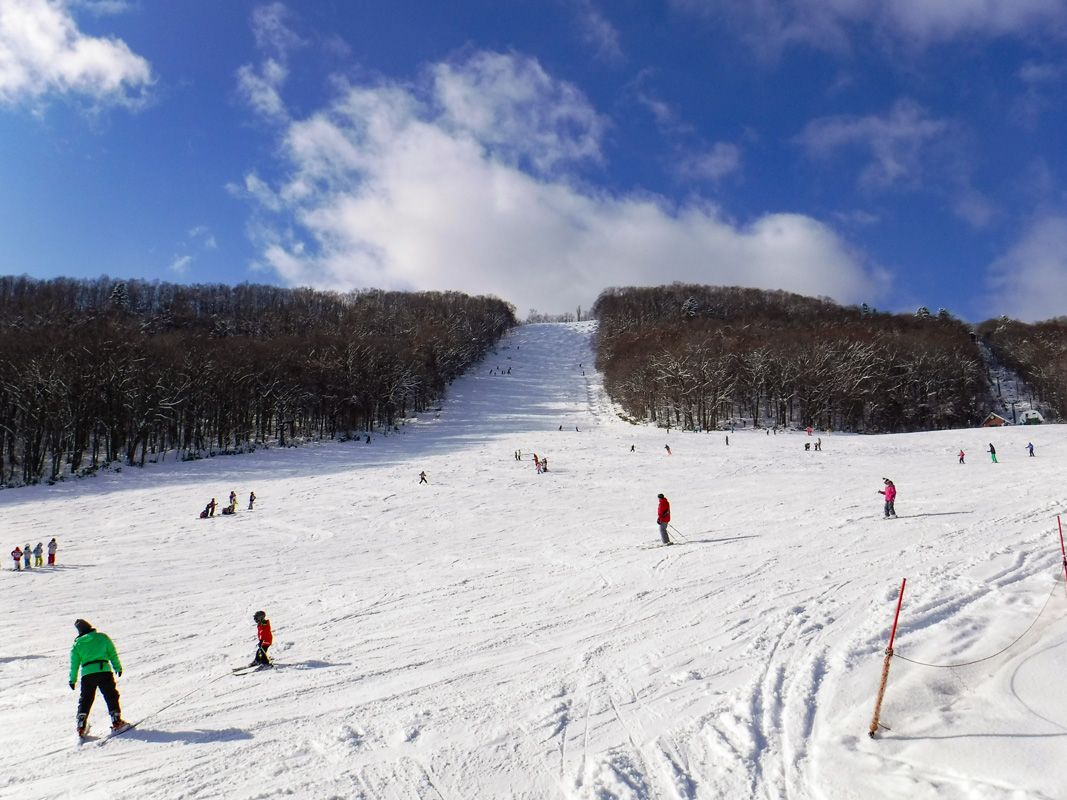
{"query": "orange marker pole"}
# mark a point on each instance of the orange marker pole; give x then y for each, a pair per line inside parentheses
(885, 666)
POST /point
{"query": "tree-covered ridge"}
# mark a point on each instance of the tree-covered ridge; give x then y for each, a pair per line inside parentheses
(97, 371)
(694, 356)
(1037, 352)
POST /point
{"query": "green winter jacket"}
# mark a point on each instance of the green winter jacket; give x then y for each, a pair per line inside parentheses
(93, 652)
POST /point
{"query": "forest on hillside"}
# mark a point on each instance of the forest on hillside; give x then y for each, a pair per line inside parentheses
(700, 356)
(98, 371)
(1037, 352)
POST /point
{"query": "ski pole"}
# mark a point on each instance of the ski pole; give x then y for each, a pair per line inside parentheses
(678, 532)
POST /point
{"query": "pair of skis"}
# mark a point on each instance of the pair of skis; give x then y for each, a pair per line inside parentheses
(111, 734)
(250, 668)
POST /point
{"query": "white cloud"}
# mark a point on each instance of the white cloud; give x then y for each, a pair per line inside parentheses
(42, 53)
(271, 31)
(598, 31)
(465, 185)
(1029, 282)
(713, 165)
(180, 264)
(261, 86)
(203, 235)
(896, 142)
(770, 26)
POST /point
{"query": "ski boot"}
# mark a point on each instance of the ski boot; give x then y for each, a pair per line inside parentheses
(83, 724)
(117, 722)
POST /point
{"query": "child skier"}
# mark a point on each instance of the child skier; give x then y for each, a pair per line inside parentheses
(38, 555)
(251, 500)
(961, 456)
(233, 498)
(890, 492)
(27, 553)
(266, 639)
(52, 547)
(17, 555)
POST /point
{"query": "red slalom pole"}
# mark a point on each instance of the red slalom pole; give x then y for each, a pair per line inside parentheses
(888, 656)
(1062, 550)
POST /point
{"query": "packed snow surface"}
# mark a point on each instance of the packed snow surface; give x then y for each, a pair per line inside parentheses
(499, 633)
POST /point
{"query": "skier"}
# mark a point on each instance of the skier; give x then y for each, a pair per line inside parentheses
(544, 465)
(633, 448)
(993, 452)
(17, 555)
(961, 456)
(890, 492)
(251, 500)
(663, 518)
(422, 477)
(667, 447)
(265, 640)
(233, 498)
(27, 553)
(94, 654)
(52, 547)
(38, 555)
(1030, 447)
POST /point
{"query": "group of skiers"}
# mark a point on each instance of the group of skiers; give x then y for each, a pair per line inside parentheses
(95, 657)
(209, 509)
(22, 555)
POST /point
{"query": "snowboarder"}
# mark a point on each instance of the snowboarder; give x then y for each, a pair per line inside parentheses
(38, 555)
(890, 492)
(52, 547)
(94, 654)
(251, 500)
(1030, 447)
(27, 553)
(961, 456)
(993, 452)
(17, 555)
(663, 518)
(422, 477)
(265, 640)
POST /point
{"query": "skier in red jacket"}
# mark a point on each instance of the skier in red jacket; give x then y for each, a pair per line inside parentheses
(663, 518)
(266, 639)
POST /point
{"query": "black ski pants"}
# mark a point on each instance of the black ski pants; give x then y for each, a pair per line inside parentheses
(105, 682)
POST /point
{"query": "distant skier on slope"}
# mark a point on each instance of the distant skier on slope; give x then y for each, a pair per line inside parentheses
(422, 477)
(663, 518)
(94, 654)
(961, 456)
(992, 453)
(1030, 447)
(890, 492)
(251, 500)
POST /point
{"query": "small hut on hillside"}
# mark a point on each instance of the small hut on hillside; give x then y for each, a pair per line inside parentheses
(994, 421)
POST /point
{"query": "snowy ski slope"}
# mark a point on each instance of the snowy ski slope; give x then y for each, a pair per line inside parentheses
(503, 634)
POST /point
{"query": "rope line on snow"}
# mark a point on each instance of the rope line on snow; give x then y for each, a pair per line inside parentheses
(986, 658)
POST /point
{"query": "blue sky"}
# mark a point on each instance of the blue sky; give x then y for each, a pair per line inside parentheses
(896, 152)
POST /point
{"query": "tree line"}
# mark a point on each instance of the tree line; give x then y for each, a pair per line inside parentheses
(700, 356)
(98, 371)
(1037, 352)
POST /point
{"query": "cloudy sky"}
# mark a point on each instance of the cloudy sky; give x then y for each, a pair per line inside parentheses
(902, 153)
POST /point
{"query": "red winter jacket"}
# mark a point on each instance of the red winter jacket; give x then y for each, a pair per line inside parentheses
(263, 631)
(664, 512)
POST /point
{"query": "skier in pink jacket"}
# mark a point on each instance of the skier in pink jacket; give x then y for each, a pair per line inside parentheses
(890, 492)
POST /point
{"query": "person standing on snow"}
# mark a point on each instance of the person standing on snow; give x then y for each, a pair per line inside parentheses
(663, 518)
(1030, 447)
(251, 500)
(17, 555)
(422, 477)
(993, 452)
(94, 654)
(27, 554)
(38, 555)
(890, 492)
(265, 639)
(961, 456)
(52, 547)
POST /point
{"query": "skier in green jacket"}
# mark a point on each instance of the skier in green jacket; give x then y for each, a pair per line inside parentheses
(94, 654)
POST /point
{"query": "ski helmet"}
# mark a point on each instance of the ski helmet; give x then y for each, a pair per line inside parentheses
(82, 626)
(259, 616)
